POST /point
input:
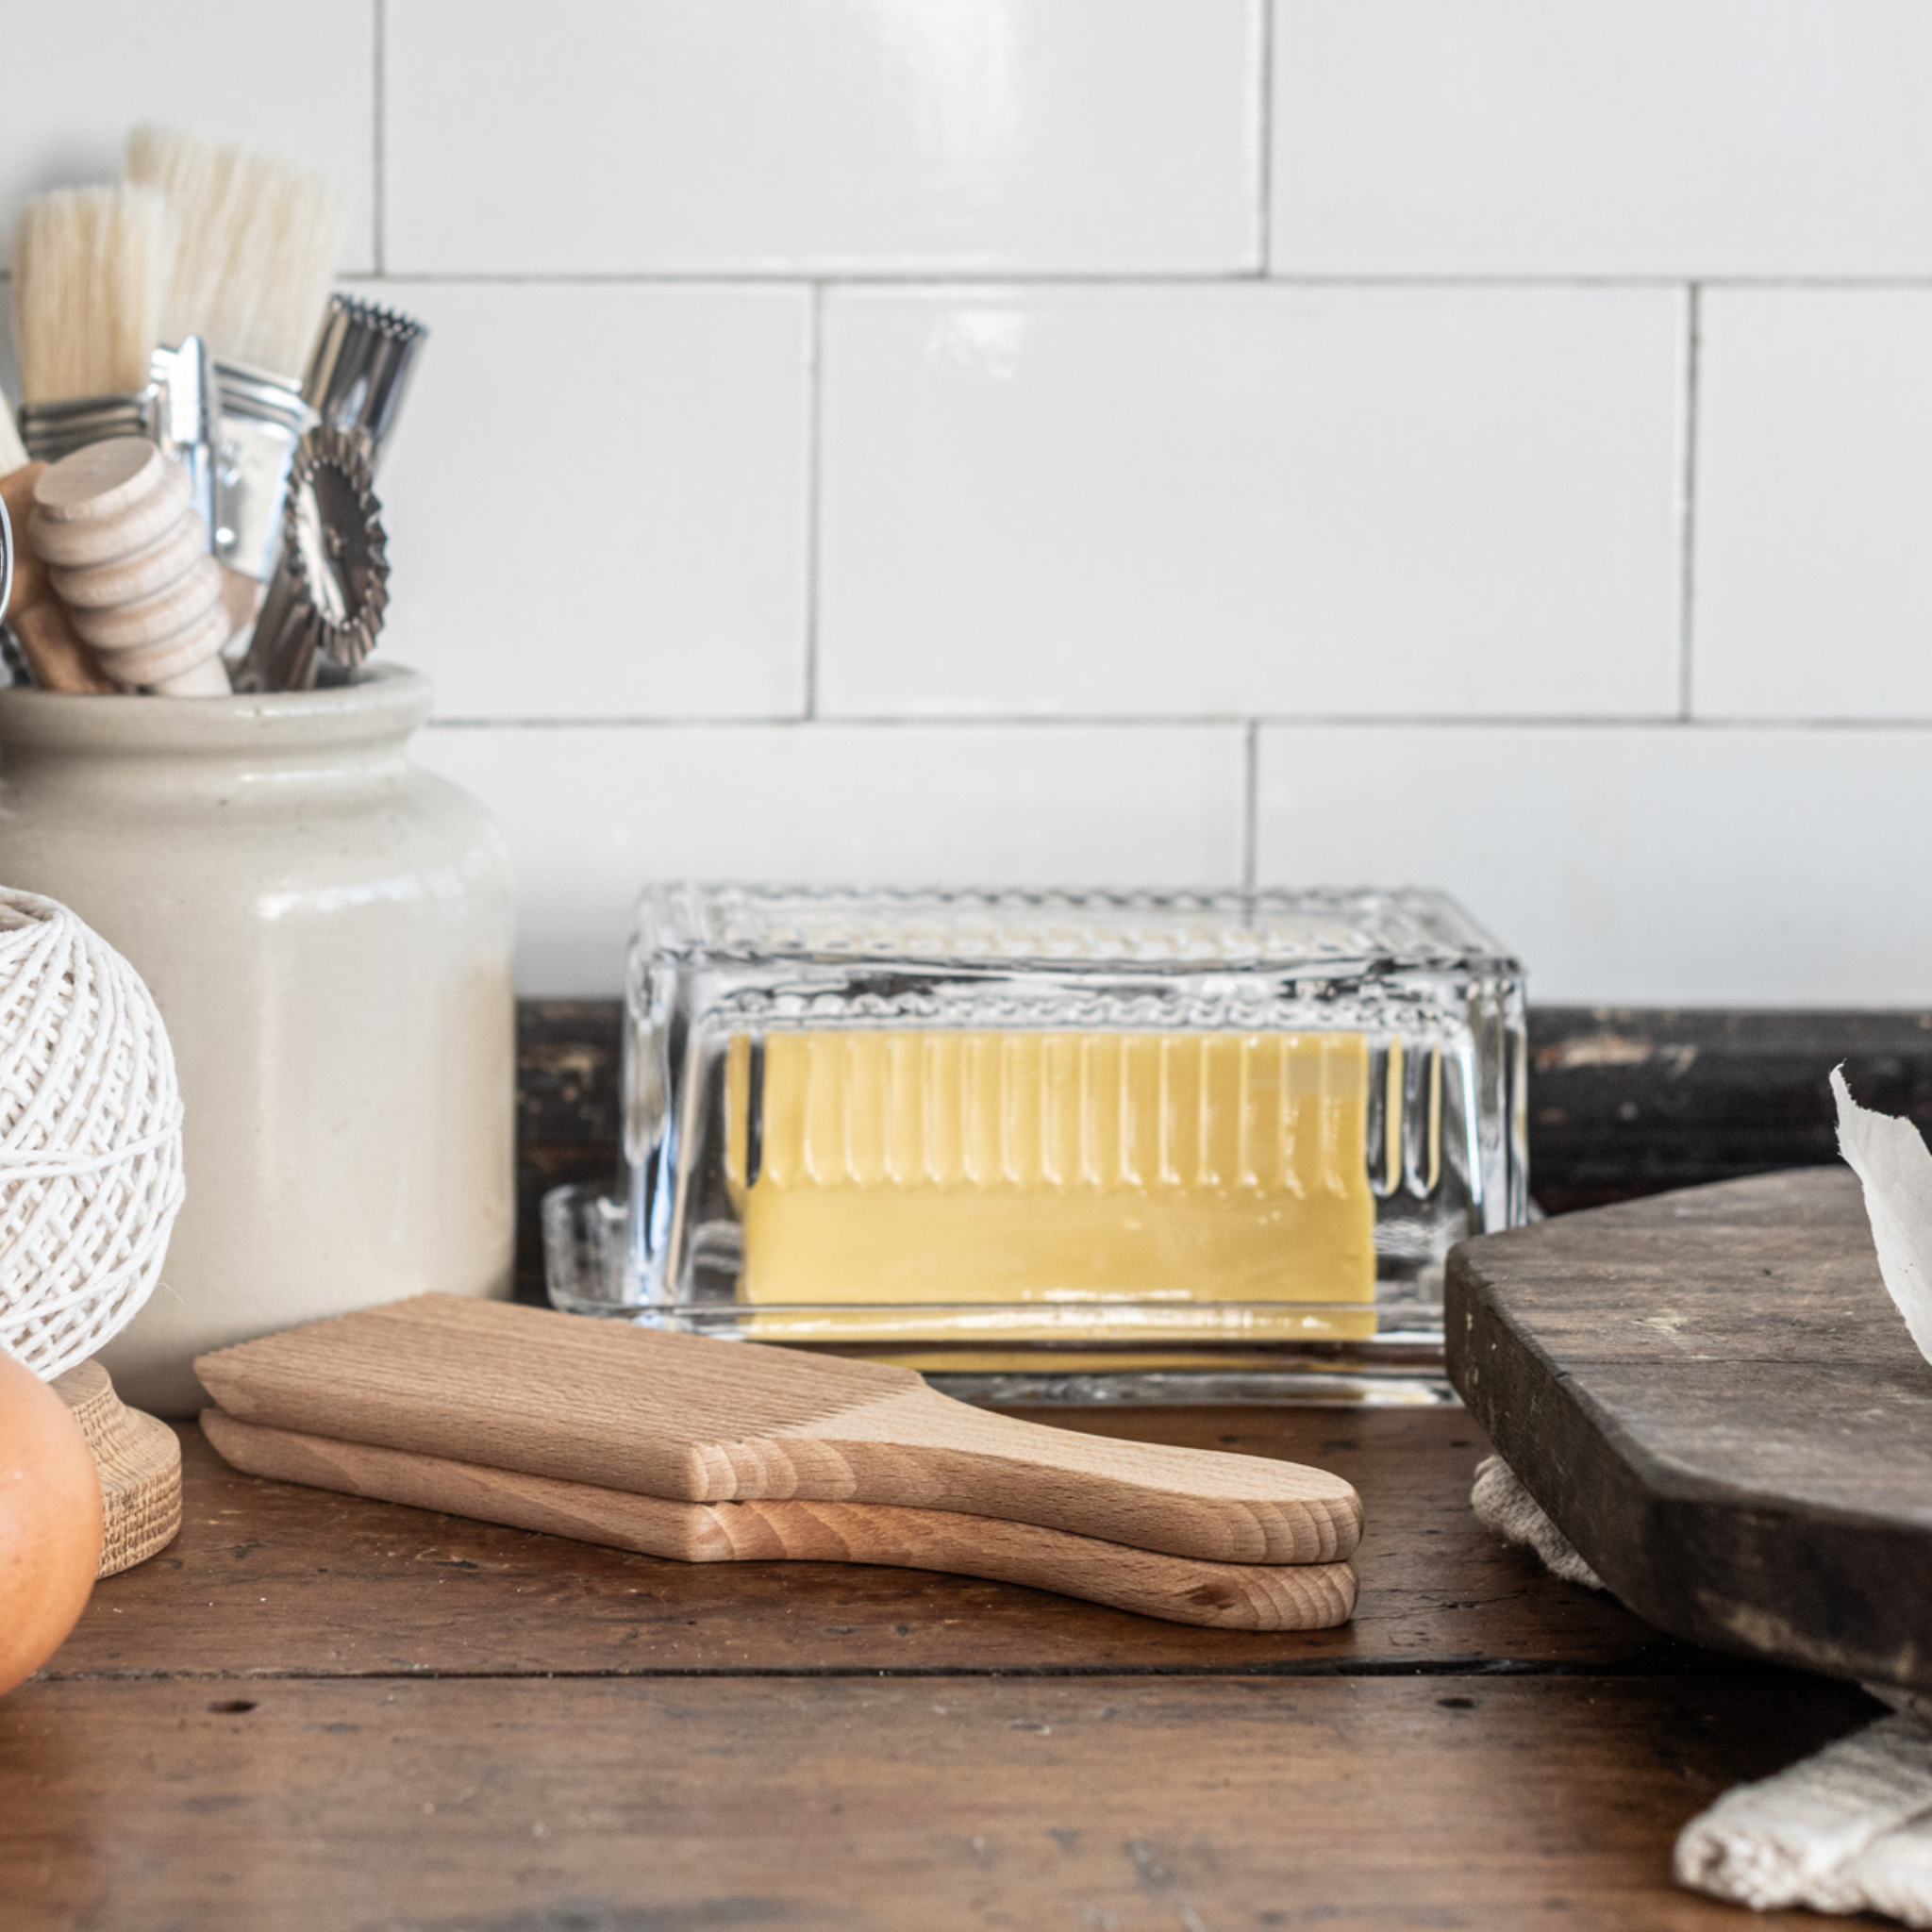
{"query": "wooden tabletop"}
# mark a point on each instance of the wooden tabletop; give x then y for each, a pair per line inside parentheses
(317, 1712)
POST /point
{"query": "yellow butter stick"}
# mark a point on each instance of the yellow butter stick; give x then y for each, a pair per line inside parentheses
(1207, 1178)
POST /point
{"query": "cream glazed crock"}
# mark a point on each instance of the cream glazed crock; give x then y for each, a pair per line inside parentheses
(327, 931)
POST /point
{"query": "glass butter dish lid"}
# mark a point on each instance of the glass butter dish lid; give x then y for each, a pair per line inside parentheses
(1060, 1145)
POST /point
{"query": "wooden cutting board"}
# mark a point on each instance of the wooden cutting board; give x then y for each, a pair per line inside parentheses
(1713, 1396)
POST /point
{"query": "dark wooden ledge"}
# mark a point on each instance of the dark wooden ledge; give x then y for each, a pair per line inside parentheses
(1623, 1101)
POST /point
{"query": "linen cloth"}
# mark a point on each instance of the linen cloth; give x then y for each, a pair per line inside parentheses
(1848, 1829)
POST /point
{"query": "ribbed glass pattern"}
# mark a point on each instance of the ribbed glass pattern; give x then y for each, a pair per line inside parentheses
(1259, 1113)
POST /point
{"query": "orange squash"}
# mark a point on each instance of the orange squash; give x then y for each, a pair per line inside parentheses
(50, 1522)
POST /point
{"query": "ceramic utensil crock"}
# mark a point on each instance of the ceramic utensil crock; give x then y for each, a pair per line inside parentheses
(327, 931)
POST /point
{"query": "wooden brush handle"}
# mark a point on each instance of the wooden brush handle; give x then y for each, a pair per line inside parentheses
(57, 656)
(59, 659)
(1226, 1596)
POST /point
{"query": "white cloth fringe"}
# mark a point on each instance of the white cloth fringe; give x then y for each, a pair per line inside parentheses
(89, 1138)
(1848, 1829)
(1501, 1503)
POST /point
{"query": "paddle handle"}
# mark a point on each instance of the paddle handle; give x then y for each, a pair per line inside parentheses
(1228, 1596)
(918, 1449)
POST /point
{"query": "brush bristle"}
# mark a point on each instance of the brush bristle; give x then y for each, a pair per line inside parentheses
(90, 266)
(260, 239)
(12, 451)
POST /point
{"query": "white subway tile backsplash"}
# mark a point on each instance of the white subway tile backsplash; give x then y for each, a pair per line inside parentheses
(294, 81)
(596, 500)
(594, 812)
(621, 136)
(1648, 138)
(1814, 500)
(1203, 501)
(1649, 865)
(924, 439)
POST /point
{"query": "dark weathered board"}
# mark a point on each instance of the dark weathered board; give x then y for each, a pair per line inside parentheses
(867, 1805)
(1627, 1100)
(1713, 1396)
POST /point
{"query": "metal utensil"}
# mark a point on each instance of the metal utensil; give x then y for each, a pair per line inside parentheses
(326, 601)
(180, 409)
(187, 420)
(12, 658)
(361, 368)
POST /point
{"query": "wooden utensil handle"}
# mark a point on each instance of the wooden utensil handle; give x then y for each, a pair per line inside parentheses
(919, 1449)
(57, 657)
(1228, 1596)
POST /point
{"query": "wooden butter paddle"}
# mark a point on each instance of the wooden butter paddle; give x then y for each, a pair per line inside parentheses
(685, 1418)
(1226, 1596)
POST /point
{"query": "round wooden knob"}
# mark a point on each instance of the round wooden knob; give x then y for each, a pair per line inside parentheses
(76, 543)
(100, 480)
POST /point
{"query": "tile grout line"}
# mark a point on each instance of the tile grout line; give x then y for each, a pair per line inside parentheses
(814, 484)
(1687, 499)
(946, 280)
(1705, 726)
(1265, 136)
(1251, 760)
(940, 278)
(379, 115)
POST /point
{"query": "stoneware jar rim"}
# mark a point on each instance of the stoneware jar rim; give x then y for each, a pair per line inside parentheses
(386, 704)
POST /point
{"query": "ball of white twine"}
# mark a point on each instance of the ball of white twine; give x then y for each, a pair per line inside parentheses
(90, 1137)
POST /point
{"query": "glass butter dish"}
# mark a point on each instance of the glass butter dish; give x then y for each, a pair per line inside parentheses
(1061, 1145)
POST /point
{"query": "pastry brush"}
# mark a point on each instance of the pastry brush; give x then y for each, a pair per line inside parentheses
(90, 270)
(14, 454)
(258, 241)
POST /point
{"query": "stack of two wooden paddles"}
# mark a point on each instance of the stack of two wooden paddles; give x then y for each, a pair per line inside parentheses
(719, 1451)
